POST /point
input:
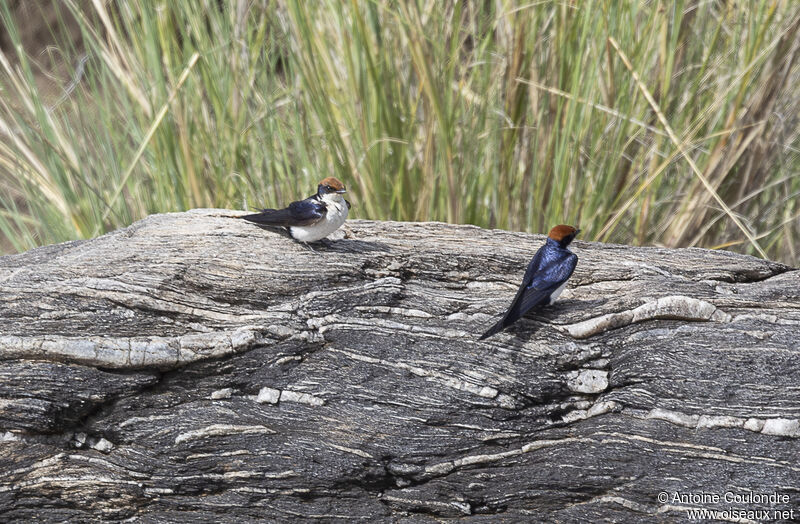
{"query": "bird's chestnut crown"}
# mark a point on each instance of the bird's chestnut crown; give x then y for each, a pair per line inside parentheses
(330, 185)
(563, 234)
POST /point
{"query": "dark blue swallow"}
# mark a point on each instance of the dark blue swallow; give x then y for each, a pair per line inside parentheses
(545, 278)
(311, 219)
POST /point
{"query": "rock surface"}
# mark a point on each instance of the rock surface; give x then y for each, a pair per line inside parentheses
(193, 367)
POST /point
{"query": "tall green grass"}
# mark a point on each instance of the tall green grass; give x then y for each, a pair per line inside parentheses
(502, 114)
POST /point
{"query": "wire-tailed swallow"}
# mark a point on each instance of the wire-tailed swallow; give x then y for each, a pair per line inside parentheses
(545, 278)
(311, 219)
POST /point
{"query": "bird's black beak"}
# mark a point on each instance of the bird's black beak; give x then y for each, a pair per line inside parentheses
(341, 191)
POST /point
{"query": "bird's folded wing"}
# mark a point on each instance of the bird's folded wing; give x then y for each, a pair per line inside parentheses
(544, 283)
(301, 213)
(533, 297)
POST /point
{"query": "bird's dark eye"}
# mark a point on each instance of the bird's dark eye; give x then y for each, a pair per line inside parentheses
(329, 188)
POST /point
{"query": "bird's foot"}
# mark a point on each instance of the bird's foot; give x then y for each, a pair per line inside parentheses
(311, 248)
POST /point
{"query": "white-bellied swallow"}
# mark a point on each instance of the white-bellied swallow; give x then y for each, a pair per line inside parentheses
(311, 219)
(545, 278)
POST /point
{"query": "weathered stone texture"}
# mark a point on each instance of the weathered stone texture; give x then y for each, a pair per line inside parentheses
(195, 367)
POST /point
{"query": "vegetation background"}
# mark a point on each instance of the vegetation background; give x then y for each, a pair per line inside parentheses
(646, 122)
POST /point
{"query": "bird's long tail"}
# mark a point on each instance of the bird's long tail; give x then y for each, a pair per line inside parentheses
(265, 216)
(494, 329)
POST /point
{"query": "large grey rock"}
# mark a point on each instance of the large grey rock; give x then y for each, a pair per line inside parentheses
(195, 367)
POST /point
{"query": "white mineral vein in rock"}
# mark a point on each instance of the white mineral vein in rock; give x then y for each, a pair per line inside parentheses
(221, 393)
(588, 381)
(129, 352)
(783, 427)
(302, 398)
(267, 395)
(678, 307)
(218, 430)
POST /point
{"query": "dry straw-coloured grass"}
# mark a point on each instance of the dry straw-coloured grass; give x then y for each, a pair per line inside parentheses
(669, 123)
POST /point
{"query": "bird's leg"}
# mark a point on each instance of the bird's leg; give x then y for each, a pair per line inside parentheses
(311, 248)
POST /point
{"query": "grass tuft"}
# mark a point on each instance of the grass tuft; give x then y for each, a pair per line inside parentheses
(666, 123)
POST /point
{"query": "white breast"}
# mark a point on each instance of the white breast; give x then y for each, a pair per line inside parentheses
(333, 220)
